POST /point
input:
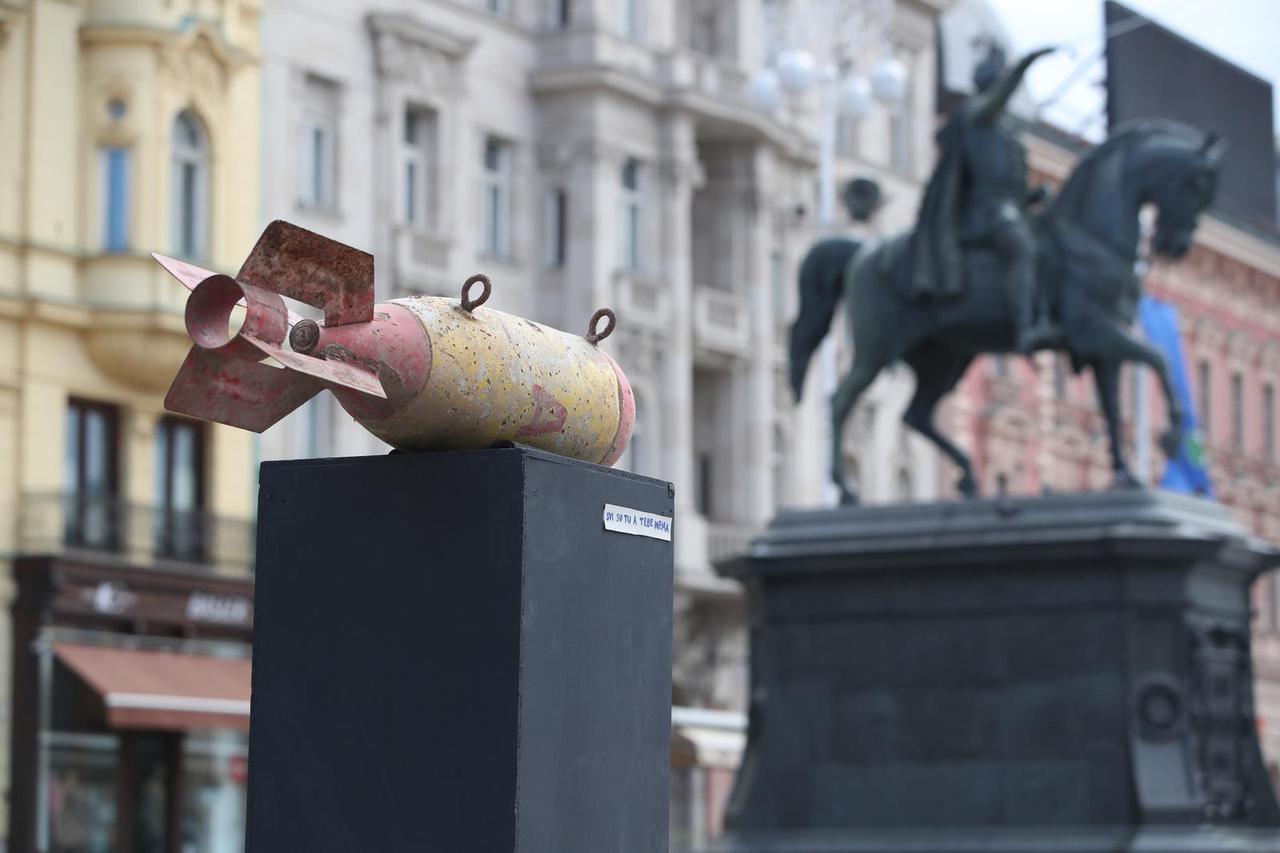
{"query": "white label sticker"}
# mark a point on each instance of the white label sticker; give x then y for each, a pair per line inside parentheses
(621, 519)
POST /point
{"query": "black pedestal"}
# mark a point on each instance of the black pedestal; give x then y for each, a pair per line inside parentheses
(452, 653)
(1068, 673)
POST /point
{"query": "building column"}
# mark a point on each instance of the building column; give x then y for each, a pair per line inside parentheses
(680, 174)
(758, 499)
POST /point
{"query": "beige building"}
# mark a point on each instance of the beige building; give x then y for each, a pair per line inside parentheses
(124, 127)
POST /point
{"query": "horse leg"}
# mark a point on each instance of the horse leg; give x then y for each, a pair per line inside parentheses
(937, 370)
(1106, 376)
(1120, 346)
(846, 396)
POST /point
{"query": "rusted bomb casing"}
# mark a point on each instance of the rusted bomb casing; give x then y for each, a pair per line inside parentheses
(422, 373)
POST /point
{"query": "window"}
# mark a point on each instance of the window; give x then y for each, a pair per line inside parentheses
(631, 19)
(1237, 411)
(778, 284)
(189, 187)
(499, 7)
(1269, 422)
(563, 10)
(772, 18)
(780, 468)
(179, 488)
(900, 133)
(557, 228)
(847, 135)
(902, 125)
(1205, 389)
(631, 220)
(318, 154)
(905, 489)
(115, 198)
(417, 168)
(705, 484)
(91, 476)
(497, 198)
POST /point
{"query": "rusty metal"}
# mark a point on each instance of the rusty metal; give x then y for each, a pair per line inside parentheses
(418, 373)
(304, 336)
(313, 269)
(469, 304)
(594, 336)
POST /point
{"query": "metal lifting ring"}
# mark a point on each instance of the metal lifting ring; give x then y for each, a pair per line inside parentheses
(594, 336)
(469, 304)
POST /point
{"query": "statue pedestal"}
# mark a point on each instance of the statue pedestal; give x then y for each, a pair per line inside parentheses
(452, 652)
(1067, 673)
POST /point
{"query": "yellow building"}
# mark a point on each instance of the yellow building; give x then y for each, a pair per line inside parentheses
(125, 535)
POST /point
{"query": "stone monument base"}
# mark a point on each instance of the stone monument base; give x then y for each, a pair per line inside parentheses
(1067, 673)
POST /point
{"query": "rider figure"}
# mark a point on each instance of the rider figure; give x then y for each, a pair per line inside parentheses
(978, 196)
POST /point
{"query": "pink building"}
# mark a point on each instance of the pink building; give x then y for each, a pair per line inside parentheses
(1038, 428)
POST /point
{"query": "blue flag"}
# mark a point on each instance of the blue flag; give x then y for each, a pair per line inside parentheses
(1185, 472)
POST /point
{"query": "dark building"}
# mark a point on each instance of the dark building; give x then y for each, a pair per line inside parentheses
(1154, 73)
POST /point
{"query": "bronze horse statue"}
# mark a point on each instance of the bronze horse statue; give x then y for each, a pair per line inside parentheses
(1088, 238)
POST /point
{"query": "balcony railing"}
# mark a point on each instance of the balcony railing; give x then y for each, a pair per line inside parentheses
(644, 301)
(720, 321)
(726, 541)
(106, 525)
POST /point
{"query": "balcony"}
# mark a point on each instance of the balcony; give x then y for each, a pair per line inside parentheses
(643, 301)
(704, 75)
(421, 259)
(727, 541)
(110, 528)
(721, 323)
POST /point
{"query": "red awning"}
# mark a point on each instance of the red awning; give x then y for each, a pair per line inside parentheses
(163, 690)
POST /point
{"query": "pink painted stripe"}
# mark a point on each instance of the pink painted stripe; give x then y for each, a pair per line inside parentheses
(626, 416)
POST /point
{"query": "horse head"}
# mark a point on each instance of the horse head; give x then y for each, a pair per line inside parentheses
(1179, 181)
(1169, 166)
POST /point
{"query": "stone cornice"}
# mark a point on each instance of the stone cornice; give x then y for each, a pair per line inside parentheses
(409, 29)
(125, 32)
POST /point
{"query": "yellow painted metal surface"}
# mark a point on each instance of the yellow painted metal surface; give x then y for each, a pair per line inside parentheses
(497, 377)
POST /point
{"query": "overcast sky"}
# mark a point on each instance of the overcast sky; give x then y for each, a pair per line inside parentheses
(1245, 32)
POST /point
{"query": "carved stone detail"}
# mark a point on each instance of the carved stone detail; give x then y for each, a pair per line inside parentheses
(419, 54)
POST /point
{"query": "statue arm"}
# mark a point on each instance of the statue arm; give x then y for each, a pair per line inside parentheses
(988, 105)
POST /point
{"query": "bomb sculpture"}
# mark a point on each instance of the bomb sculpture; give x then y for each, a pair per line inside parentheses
(424, 373)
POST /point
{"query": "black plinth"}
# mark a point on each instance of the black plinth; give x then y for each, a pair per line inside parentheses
(1069, 673)
(451, 653)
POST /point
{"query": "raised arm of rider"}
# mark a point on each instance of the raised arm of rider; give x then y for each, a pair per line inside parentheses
(988, 105)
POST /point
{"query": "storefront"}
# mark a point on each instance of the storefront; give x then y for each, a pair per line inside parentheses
(130, 709)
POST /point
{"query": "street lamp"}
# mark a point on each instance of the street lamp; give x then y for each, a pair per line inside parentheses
(796, 73)
(838, 26)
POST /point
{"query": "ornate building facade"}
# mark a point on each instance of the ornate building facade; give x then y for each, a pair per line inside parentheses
(125, 534)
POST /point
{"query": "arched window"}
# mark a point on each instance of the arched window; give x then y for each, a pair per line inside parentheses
(189, 187)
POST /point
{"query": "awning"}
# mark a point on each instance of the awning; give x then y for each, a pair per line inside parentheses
(163, 690)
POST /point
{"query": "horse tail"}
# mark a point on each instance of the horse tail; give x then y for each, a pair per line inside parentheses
(821, 284)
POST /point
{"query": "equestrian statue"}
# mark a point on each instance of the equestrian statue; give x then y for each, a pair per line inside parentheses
(994, 267)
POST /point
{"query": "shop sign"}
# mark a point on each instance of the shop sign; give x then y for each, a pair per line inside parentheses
(220, 609)
(110, 597)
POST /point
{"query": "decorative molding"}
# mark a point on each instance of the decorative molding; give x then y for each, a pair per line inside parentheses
(424, 55)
